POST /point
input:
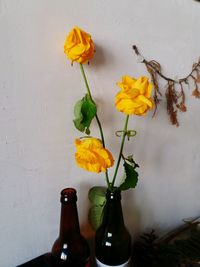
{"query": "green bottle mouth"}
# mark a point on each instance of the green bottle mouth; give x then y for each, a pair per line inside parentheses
(114, 194)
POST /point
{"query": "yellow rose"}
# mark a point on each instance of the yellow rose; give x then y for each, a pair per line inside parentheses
(135, 96)
(79, 46)
(92, 156)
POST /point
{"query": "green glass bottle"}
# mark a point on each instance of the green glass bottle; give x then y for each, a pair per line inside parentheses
(112, 239)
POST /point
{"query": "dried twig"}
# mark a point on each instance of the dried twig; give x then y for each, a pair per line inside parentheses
(174, 91)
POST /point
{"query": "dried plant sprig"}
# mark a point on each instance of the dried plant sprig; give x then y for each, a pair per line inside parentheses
(174, 89)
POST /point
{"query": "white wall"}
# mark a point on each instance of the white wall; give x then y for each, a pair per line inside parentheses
(38, 88)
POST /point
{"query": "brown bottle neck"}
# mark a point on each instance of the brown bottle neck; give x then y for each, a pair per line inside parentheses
(69, 223)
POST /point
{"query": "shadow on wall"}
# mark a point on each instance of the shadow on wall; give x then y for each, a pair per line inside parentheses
(101, 57)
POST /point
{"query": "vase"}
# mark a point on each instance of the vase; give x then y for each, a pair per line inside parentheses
(112, 239)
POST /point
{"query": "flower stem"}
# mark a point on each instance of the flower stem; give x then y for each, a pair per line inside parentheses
(89, 93)
(97, 119)
(85, 80)
(120, 153)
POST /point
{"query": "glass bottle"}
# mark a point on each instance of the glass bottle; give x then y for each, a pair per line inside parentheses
(112, 239)
(70, 249)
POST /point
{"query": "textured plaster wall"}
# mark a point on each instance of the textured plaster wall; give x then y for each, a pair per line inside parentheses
(38, 88)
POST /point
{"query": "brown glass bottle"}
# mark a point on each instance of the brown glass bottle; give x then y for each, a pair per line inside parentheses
(71, 248)
(112, 240)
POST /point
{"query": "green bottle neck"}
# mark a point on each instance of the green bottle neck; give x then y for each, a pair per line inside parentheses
(113, 215)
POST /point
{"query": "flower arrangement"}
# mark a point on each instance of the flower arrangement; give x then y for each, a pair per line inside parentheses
(134, 98)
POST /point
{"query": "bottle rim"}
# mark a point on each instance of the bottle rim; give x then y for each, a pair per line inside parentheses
(68, 195)
(113, 194)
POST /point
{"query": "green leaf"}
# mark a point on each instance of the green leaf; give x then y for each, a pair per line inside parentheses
(84, 112)
(78, 116)
(95, 216)
(97, 195)
(132, 161)
(131, 177)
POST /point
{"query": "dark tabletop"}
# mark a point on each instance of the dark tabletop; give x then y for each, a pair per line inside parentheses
(37, 262)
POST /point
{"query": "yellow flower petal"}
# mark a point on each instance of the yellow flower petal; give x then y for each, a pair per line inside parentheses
(92, 156)
(135, 96)
(145, 100)
(79, 46)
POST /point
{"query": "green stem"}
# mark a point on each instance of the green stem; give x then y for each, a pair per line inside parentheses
(85, 80)
(107, 180)
(121, 151)
(89, 93)
(97, 119)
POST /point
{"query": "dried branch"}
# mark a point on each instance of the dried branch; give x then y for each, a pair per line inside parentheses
(174, 91)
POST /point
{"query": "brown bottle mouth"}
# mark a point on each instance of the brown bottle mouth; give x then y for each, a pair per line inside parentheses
(68, 195)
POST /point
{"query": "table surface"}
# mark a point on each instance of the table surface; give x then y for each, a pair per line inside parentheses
(37, 262)
(41, 261)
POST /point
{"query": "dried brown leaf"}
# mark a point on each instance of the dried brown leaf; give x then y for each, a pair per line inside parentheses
(196, 93)
(198, 78)
(171, 97)
(181, 107)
